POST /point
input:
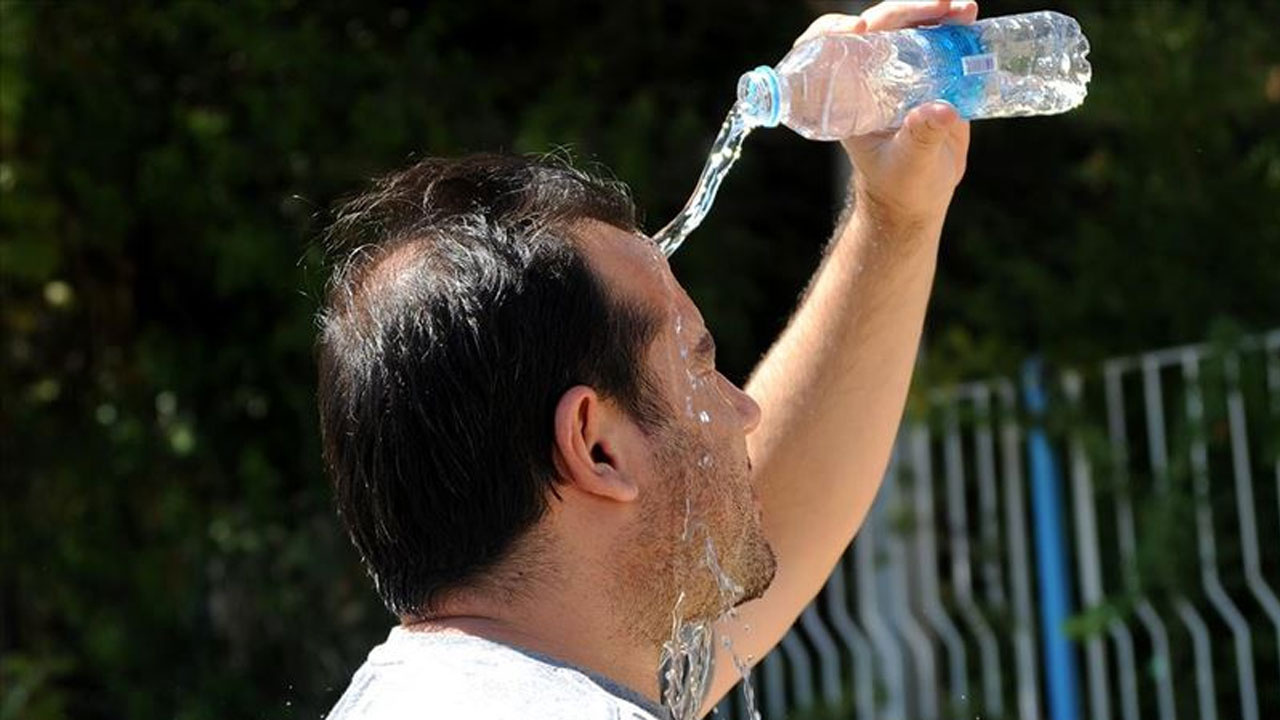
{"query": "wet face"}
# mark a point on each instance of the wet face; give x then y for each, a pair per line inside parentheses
(698, 530)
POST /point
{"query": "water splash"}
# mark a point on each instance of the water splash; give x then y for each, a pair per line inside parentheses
(685, 665)
(730, 593)
(748, 692)
(687, 660)
(724, 153)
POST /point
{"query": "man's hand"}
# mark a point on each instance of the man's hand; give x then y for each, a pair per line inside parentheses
(907, 175)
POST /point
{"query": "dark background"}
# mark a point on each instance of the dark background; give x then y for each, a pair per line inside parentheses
(169, 548)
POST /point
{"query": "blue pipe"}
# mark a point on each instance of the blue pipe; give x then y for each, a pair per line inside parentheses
(1052, 571)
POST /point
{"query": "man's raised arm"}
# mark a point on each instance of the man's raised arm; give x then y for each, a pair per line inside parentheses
(833, 387)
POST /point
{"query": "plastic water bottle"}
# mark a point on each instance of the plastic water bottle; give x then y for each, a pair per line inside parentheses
(835, 86)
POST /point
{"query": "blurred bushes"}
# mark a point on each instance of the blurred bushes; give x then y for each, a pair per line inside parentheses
(168, 544)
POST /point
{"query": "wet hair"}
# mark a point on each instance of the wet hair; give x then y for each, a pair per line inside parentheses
(461, 311)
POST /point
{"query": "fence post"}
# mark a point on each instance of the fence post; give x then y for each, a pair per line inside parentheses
(1051, 553)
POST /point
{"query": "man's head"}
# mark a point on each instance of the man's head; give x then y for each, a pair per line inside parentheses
(498, 370)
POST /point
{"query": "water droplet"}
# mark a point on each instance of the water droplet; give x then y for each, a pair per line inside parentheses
(704, 417)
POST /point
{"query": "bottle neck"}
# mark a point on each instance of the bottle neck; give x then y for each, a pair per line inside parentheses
(760, 97)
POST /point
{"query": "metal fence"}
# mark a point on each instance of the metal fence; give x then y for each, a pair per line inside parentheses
(1106, 545)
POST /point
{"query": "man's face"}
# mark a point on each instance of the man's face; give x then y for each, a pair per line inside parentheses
(699, 529)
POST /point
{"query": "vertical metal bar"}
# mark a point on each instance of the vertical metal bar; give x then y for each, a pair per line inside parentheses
(1153, 404)
(961, 570)
(1200, 649)
(828, 655)
(847, 630)
(1207, 710)
(985, 451)
(1051, 561)
(926, 562)
(1157, 450)
(775, 684)
(1127, 541)
(1024, 641)
(801, 669)
(882, 641)
(1271, 348)
(1127, 664)
(1087, 556)
(1206, 544)
(923, 700)
(1243, 476)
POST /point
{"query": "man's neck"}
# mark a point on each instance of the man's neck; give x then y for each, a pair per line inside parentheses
(563, 627)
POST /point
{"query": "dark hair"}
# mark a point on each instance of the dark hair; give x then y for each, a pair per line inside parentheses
(461, 313)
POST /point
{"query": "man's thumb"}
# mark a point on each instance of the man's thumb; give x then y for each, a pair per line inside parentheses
(926, 126)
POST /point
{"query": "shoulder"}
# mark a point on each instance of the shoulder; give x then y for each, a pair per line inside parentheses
(419, 676)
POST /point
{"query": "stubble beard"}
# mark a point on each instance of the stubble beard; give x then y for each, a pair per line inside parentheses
(705, 521)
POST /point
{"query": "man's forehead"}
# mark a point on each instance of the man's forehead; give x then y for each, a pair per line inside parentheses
(631, 265)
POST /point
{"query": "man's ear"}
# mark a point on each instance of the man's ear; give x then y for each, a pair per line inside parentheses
(589, 438)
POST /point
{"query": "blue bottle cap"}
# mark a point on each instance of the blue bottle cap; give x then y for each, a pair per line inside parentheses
(760, 97)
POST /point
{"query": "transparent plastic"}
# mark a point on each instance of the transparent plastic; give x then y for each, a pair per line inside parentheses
(835, 86)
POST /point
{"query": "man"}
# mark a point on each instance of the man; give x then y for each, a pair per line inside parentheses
(548, 481)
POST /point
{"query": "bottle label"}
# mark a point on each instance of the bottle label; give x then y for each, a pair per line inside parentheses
(978, 64)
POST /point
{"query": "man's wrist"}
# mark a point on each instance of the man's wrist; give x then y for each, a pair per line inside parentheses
(874, 238)
(895, 216)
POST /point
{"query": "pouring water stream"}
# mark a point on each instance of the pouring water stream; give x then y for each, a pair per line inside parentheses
(724, 153)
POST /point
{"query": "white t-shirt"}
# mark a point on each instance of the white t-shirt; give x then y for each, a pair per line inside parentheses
(429, 676)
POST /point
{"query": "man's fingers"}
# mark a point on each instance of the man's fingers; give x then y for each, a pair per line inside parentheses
(927, 126)
(894, 15)
(962, 13)
(832, 24)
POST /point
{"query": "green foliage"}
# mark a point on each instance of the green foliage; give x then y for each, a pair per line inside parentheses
(168, 539)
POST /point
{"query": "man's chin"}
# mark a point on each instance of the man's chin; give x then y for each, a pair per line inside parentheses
(760, 575)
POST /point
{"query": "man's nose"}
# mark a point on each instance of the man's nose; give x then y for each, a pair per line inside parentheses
(747, 408)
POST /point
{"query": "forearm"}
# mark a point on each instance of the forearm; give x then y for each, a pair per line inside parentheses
(832, 390)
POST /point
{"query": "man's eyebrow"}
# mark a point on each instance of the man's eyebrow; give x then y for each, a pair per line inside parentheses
(706, 348)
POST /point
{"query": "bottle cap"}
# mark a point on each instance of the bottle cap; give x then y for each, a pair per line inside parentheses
(760, 97)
